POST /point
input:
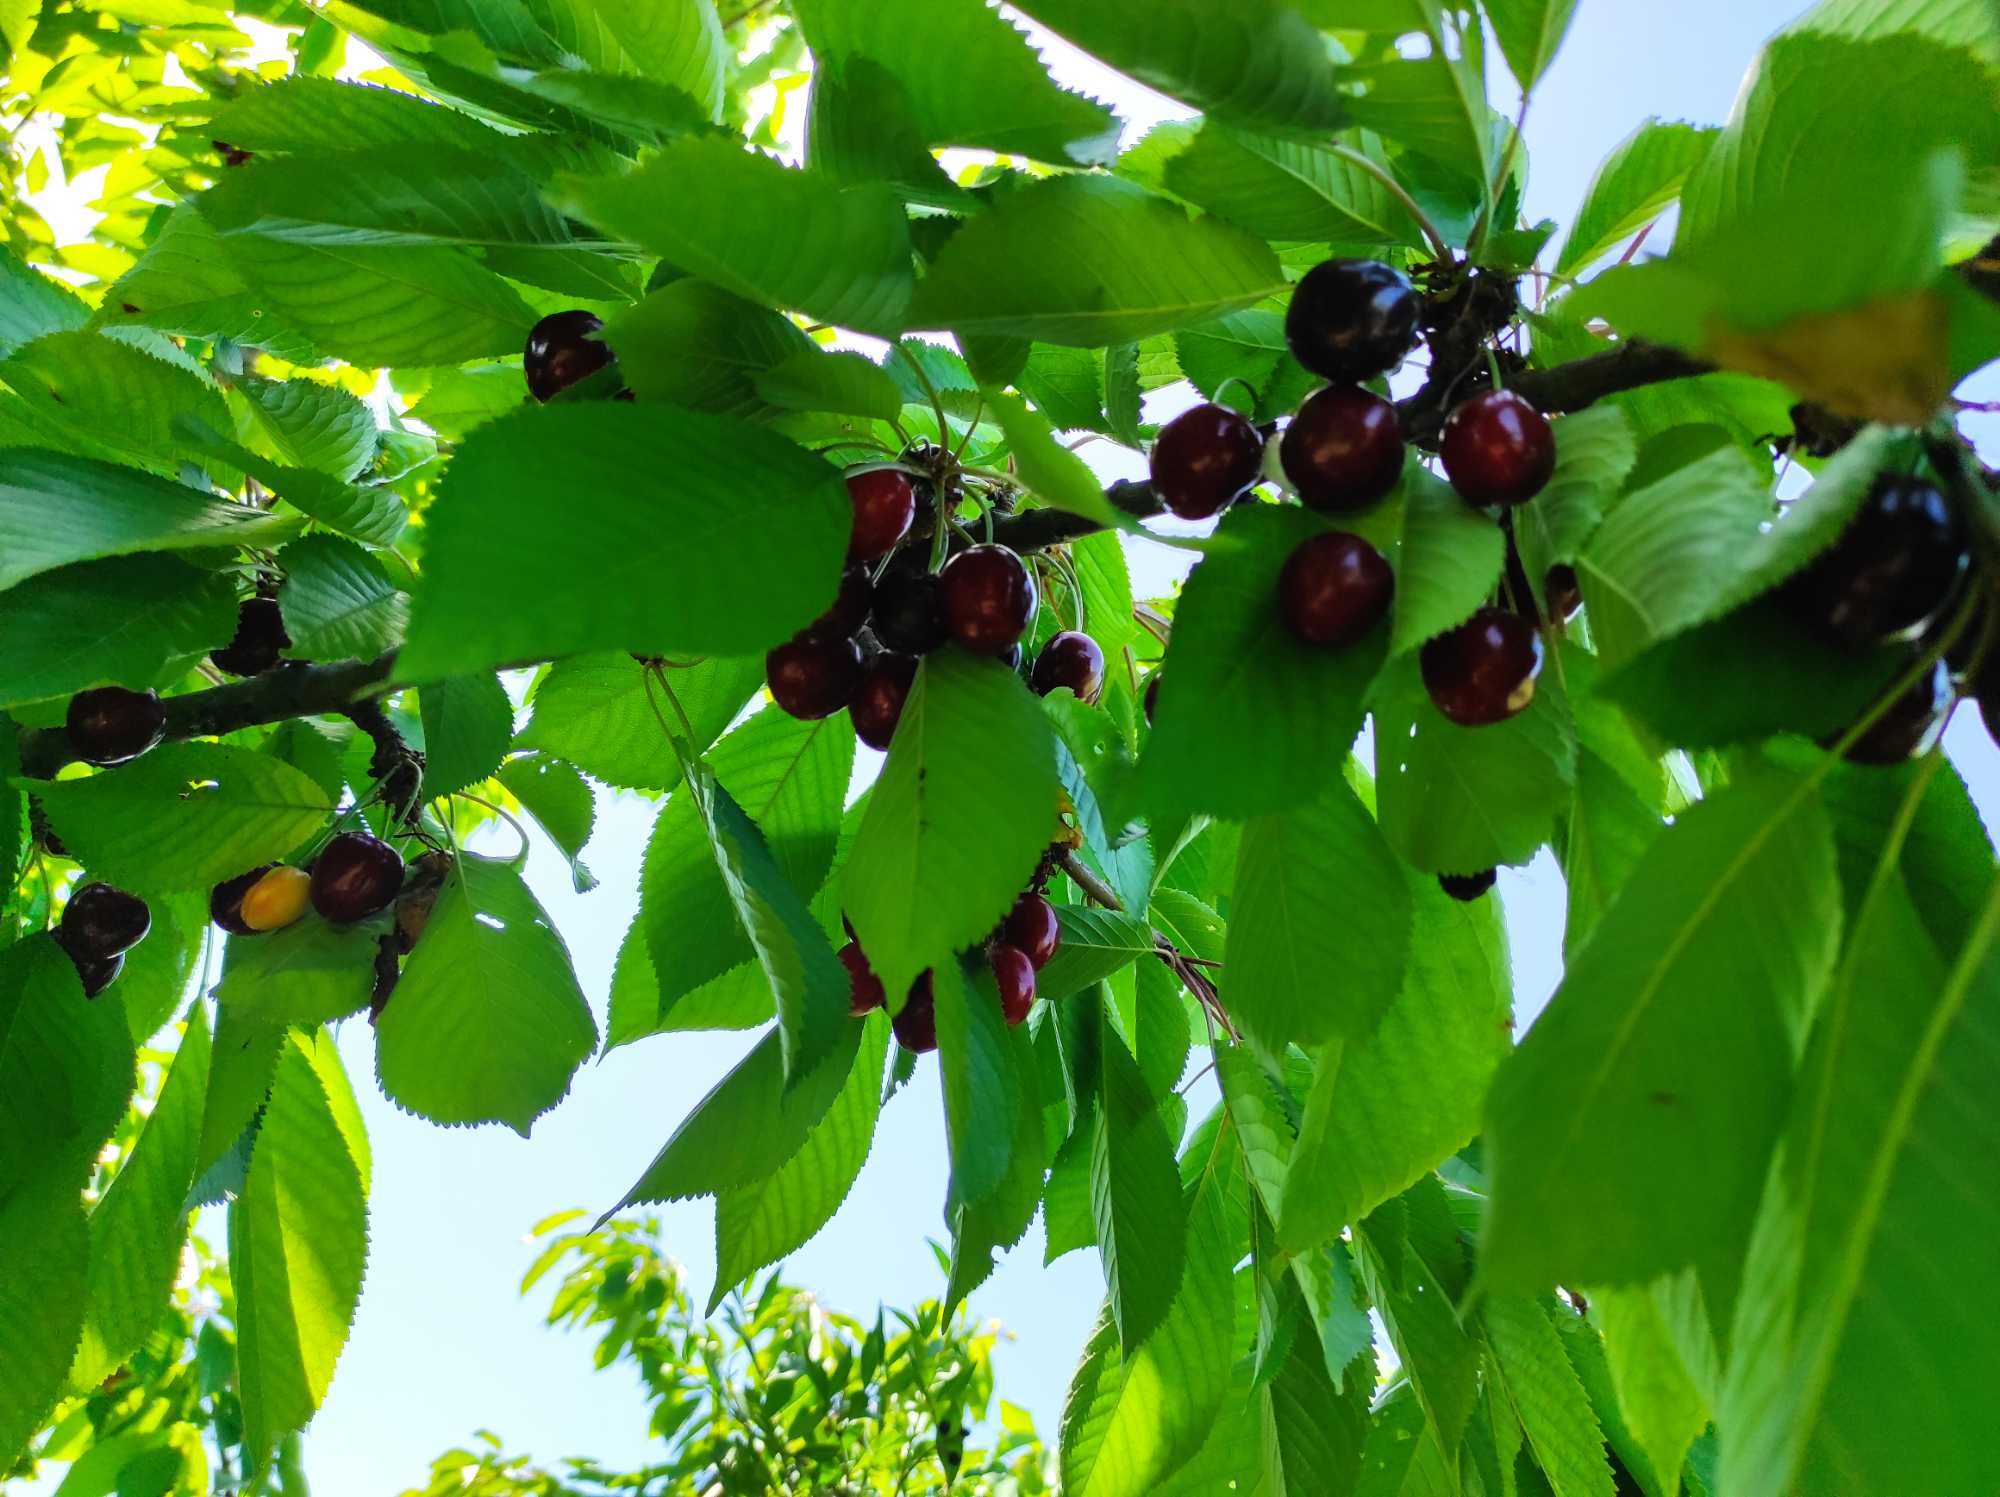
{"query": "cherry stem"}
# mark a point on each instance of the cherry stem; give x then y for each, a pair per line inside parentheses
(1398, 191)
(1099, 891)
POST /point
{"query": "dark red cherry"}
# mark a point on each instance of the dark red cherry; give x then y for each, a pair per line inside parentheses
(1498, 449)
(813, 676)
(906, 615)
(562, 350)
(850, 605)
(1344, 449)
(110, 725)
(259, 642)
(864, 988)
(1335, 588)
(1484, 670)
(885, 504)
(1032, 928)
(916, 1023)
(1912, 725)
(1071, 659)
(988, 599)
(100, 921)
(878, 701)
(1011, 657)
(1015, 976)
(1204, 458)
(1468, 886)
(225, 900)
(356, 875)
(1564, 592)
(97, 974)
(1151, 697)
(1891, 572)
(1351, 320)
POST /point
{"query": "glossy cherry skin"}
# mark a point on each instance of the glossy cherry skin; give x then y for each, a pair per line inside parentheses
(99, 922)
(885, 506)
(1351, 320)
(987, 598)
(562, 350)
(864, 987)
(916, 1024)
(1072, 659)
(225, 900)
(1032, 929)
(1911, 726)
(1335, 587)
(850, 605)
(1891, 572)
(97, 974)
(1498, 449)
(1483, 671)
(111, 725)
(1344, 448)
(813, 675)
(877, 705)
(356, 875)
(1468, 886)
(906, 615)
(1204, 458)
(1564, 592)
(1014, 974)
(259, 642)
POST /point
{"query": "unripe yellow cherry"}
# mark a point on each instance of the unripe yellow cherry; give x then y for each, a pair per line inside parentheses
(277, 899)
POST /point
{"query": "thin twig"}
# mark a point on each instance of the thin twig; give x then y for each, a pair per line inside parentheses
(1398, 191)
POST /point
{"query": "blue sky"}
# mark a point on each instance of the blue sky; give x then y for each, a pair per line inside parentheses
(443, 1346)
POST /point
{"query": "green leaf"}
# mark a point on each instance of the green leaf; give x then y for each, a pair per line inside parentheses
(654, 563)
(56, 509)
(1142, 1223)
(1595, 450)
(66, 1069)
(385, 306)
(696, 345)
(1545, 1394)
(1288, 190)
(135, 620)
(299, 113)
(1058, 477)
(961, 815)
(1252, 718)
(1530, 33)
(1090, 261)
(309, 972)
(1629, 1134)
(1015, 110)
(298, 1247)
(861, 127)
(239, 1077)
(1384, 1112)
(186, 816)
(1132, 1420)
(1657, 1399)
(313, 425)
(44, 1261)
(594, 710)
(1414, 1276)
(747, 1126)
(487, 1024)
(1459, 800)
(848, 384)
(186, 283)
(1261, 63)
(375, 516)
(1250, 346)
(789, 777)
(761, 1223)
(1436, 105)
(560, 800)
(1319, 925)
(1263, 1128)
(122, 397)
(788, 238)
(1095, 945)
(1449, 559)
(33, 305)
(1312, 1435)
(338, 602)
(1954, 22)
(468, 723)
(137, 1230)
(1641, 176)
(981, 1090)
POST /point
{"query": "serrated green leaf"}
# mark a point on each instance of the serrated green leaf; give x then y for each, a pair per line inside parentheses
(302, 114)
(56, 509)
(1542, 1388)
(298, 1247)
(186, 283)
(314, 425)
(33, 305)
(847, 384)
(1142, 1222)
(1657, 1399)
(123, 398)
(133, 620)
(468, 723)
(1262, 1127)
(1288, 190)
(594, 711)
(309, 972)
(1413, 1289)
(1057, 476)
(186, 816)
(560, 800)
(981, 1091)
(1095, 945)
(44, 1263)
(654, 563)
(1665, 1056)
(1449, 558)
(861, 127)
(1252, 718)
(1641, 176)
(1595, 450)
(759, 1224)
(138, 1228)
(1090, 261)
(338, 602)
(962, 813)
(1001, 1219)
(788, 238)
(487, 1023)
(1312, 1434)
(1530, 33)
(696, 345)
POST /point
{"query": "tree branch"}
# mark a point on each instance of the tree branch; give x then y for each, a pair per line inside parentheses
(276, 696)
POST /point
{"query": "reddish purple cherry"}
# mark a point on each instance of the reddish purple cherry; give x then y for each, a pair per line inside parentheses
(987, 599)
(1204, 458)
(1467, 887)
(1070, 659)
(1344, 448)
(813, 675)
(356, 875)
(1483, 671)
(110, 725)
(1014, 974)
(878, 700)
(1498, 449)
(1351, 320)
(1335, 588)
(99, 922)
(1032, 928)
(885, 506)
(864, 988)
(915, 1023)
(563, 349)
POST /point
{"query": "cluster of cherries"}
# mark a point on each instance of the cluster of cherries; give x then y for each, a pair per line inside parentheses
(1021, 947)
(98, 926)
